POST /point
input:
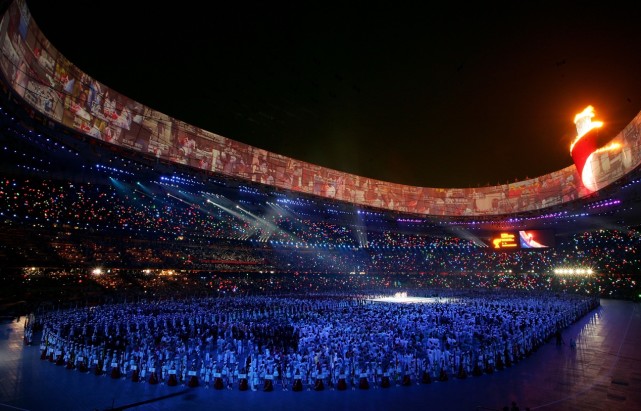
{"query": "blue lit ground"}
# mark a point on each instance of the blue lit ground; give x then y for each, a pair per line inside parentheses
(602, 373)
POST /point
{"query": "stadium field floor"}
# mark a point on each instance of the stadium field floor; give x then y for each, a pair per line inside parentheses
(603, 372)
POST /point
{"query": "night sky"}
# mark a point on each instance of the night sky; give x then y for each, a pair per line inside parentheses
(429, 96)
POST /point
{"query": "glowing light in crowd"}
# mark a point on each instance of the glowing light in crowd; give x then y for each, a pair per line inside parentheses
(573, 271)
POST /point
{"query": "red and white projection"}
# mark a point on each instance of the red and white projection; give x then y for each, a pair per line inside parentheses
(584, 147)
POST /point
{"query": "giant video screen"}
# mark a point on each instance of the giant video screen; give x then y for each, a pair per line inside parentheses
(34, 70)
(522, 240)
(536, 239)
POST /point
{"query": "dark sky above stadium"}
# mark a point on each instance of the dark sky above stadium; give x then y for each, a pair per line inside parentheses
(439, 96)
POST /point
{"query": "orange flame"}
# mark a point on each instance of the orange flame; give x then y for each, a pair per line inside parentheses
(584, 124)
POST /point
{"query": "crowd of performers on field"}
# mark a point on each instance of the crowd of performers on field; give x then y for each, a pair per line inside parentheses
(311, 342)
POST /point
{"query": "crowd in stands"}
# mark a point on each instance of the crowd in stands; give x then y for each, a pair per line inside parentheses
(73, 225)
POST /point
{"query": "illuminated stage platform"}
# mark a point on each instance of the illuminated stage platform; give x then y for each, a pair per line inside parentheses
(404, 298)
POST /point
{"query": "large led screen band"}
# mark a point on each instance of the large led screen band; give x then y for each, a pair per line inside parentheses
(56, 89)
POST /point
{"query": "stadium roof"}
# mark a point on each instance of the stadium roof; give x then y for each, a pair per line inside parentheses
(449, 96)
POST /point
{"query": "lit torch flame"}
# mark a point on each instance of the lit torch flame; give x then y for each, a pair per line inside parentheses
(586, 151)
(584, 124)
